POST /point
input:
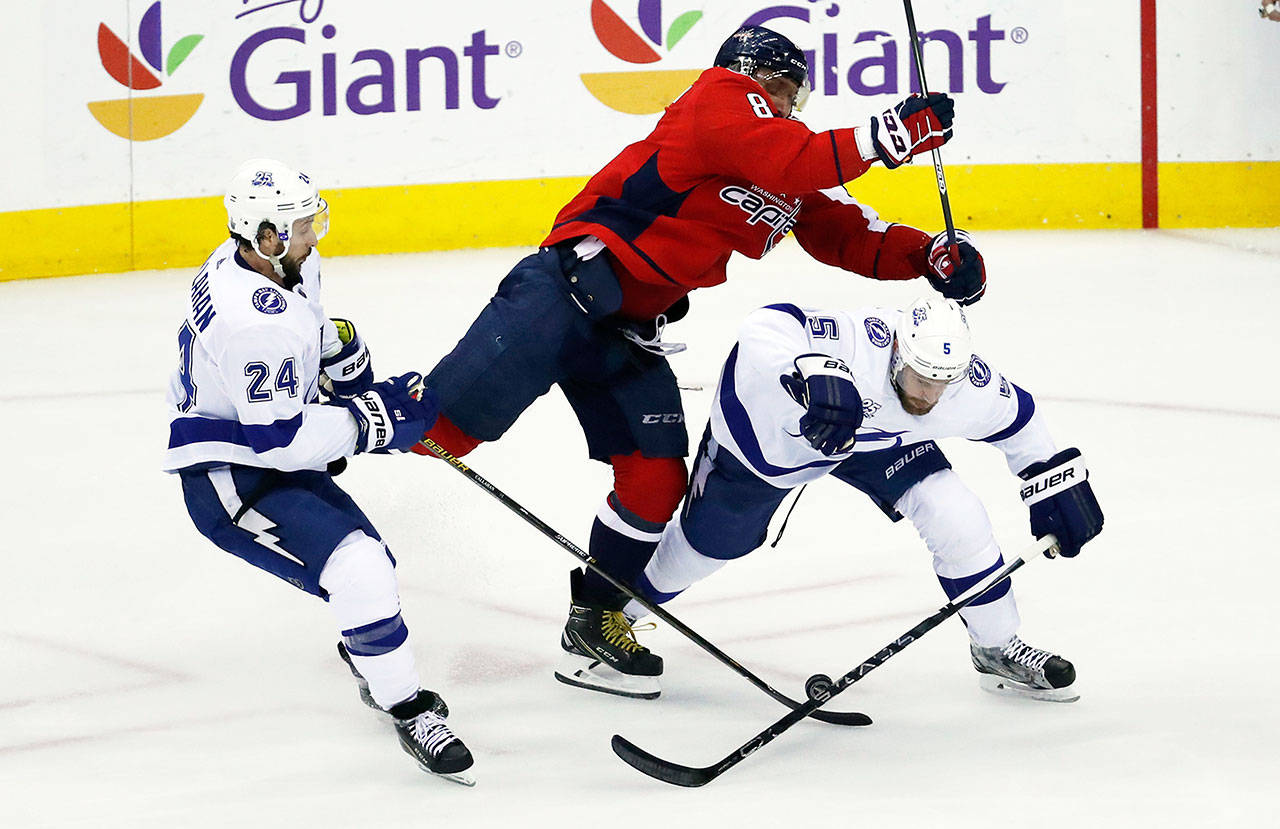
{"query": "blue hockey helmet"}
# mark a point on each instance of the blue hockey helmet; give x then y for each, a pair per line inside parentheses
(756, 50)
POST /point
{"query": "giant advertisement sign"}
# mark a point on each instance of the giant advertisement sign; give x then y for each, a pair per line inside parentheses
(125, 101)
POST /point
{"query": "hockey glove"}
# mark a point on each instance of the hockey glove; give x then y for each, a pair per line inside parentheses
(1061, 501)
(917, 124)
(349, 370)
(834, 405)
(392, 414)
(965, 280)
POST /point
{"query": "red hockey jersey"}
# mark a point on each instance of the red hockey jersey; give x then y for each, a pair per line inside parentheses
(719, 173)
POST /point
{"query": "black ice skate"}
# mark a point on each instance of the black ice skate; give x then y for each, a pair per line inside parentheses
(601, 652)
(1017, 669)
(425, 737)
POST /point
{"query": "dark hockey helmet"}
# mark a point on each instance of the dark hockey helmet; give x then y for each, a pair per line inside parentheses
(755, 49)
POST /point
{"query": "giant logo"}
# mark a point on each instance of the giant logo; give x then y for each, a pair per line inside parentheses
(842, 59)
(646, 91)
(144, 117)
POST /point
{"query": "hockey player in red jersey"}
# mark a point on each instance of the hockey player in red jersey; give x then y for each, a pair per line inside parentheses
(726, 169)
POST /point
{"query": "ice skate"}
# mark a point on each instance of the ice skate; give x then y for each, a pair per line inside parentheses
(601, 652)
(1017, 669)
(425, 737)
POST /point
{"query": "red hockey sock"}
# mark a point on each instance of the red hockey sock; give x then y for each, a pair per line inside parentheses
(448, 435)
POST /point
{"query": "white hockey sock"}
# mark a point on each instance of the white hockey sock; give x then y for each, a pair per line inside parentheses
(675, 566)
(955, 527)
(363, 597)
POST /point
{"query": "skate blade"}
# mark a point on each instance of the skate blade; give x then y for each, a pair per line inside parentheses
(594, 675)
(1009, 688)
(460, 777)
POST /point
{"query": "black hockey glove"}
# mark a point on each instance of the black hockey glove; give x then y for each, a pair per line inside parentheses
(393, 414)
(964, 281)
(834, 405)
(1061, 501)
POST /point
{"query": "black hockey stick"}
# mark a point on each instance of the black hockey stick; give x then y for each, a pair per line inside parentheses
(937, 156)
(820, 691)
(834, 717)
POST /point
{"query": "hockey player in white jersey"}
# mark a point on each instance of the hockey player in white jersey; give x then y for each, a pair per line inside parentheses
(253, 444)
(863, 396)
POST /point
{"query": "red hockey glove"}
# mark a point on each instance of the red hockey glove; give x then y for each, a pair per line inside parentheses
(963, 279)
(917, 124)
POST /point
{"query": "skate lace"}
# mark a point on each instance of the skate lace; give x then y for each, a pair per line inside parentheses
(1022, 653)
(618, 631)
(430, 731)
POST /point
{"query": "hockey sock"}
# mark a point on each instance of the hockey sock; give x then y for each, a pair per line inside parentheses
(957, 530)
(992, 619)
(446, 433)
(675, 565)
(361, 583)
(621, 543)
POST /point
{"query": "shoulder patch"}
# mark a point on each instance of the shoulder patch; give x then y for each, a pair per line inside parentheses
(878, 332)
(268, 300)
(979, 372)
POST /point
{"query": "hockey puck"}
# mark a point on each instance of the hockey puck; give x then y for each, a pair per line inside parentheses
(818, 687)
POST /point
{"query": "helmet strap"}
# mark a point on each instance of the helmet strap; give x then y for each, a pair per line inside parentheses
(276, 264)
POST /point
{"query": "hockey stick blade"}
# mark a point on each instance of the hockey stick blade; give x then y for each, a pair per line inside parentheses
(657, 768)
(680, 775)
(847, 718)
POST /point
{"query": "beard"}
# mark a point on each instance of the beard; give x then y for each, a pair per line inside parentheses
(292, 273)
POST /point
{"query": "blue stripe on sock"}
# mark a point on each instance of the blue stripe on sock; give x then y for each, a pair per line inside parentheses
(954, 587)
(645, 588)
(376, 638)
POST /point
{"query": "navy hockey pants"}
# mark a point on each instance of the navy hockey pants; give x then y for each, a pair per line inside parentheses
(287, 523)
(727, 511)
(531, 336)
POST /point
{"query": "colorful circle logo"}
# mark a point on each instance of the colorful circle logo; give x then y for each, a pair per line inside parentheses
(639, 92)
(153, 116)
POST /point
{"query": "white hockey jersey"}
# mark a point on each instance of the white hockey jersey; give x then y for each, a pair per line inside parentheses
(246, 384)
(755, 418)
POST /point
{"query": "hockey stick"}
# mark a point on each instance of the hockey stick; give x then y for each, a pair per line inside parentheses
(833, 717)
(820, 692)
(937, 156)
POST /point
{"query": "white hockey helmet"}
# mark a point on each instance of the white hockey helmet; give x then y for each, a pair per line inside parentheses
(265, 190)
(933, 338)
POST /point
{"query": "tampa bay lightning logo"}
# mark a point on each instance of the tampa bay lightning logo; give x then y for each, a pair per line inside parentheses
(878, 332)
(979, 372)
(268, 301)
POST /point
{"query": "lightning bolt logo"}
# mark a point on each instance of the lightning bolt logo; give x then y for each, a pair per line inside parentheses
(251, 520)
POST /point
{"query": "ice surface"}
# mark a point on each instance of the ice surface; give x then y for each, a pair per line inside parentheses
(151, 680)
